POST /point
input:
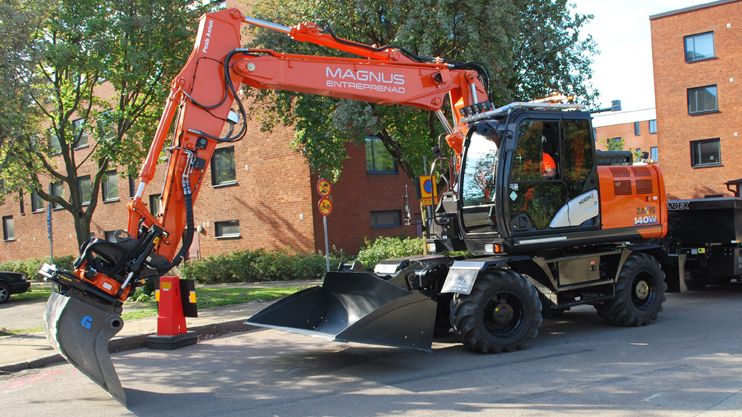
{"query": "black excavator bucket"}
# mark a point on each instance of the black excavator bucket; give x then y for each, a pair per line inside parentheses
(355, 307)
(79, 328)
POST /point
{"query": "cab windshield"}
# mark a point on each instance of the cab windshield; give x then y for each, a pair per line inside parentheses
(479, 172)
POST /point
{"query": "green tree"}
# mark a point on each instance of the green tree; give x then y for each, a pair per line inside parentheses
(615, 144)
(530, 48)
(102, 73)
(17, 59)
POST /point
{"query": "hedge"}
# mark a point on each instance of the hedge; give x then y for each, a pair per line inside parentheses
(31, 267)
(389, 247)
(254, 266)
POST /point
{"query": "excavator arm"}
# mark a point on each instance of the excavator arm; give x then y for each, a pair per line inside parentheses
(84, 311)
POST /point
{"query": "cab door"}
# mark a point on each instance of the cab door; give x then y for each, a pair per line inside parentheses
(541, 198)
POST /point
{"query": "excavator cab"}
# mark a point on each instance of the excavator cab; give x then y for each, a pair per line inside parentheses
(528, 173)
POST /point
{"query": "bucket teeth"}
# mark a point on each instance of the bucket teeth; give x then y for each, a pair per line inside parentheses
(79, 328)
(355, 307)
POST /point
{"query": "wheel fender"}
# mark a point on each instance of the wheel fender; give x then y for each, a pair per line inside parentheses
(461, 277)
(463, 274)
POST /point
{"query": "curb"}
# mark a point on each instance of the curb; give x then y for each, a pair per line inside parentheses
(205, 331)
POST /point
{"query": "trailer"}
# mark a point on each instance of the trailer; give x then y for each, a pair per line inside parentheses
(705, 241)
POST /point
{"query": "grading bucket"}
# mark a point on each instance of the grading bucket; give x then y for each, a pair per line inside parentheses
(355, 307)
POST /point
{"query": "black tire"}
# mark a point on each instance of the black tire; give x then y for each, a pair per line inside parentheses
(502, 313)
(4, 293)
(695, 280)
(639, 293)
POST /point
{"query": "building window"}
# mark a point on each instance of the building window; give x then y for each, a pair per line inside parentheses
(227, 229)
(705, 152)
(86, 189)
(378, 159)
(637, 129)
(21, 203)
(702, 99)
(154, 204)
(387, 218)
(615, 144)
(106, 127)
(699, 47)
(222, 167)
(111, 186)
(55, 148)
(78, 128)
(654, 154)
(37, 203)
(653, 126)
(56, 189)
(8, 228)
(132, 187)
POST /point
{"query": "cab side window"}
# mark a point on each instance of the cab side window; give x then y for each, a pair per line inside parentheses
(537, 155)
(536, 190)
(577, 156)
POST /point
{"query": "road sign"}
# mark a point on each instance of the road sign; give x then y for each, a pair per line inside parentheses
(324, 187)
(325, 206)
(428, 190)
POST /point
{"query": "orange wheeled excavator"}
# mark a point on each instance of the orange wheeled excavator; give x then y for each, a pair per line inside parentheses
(539, 239)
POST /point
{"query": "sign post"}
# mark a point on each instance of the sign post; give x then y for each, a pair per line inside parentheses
(49, 232)
(324, 188)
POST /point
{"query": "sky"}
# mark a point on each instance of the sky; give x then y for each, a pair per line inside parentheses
(623, 69)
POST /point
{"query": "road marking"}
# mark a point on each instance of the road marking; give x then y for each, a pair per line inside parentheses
(651, 397)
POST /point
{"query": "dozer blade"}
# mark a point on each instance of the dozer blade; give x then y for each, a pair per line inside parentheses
(79, 328)
(355, 307)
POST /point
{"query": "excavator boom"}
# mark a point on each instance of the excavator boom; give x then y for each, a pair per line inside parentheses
(84, 311)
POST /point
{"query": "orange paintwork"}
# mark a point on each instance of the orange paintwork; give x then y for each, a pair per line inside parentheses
(384, 77)
(633, 197)
(104, 283)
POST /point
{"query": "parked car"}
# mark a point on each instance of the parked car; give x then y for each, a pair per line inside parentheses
(12, 283)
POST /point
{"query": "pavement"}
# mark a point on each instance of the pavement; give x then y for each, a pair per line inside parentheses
(686, 364)
(28, 351)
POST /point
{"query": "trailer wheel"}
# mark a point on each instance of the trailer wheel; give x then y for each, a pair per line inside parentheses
(695, 280)
(502, 313)
(639, 293)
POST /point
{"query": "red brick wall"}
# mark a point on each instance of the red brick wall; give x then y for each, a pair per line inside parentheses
(355, 195)
(673, 76)
(644, 141)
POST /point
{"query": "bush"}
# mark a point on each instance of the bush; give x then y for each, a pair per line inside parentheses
(254, 266)
(389, 247)
(31, 266)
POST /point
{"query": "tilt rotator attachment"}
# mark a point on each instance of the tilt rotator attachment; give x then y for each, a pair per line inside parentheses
(355, 307)
(84, 310)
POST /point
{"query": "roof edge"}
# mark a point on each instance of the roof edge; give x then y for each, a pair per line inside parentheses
(691, 8)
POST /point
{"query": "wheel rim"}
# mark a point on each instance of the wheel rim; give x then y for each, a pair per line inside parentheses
(503, 314)
(3, 294)
(643, 291)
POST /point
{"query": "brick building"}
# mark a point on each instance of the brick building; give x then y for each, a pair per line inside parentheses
(637, 129)
(697, 58)
(257, 193)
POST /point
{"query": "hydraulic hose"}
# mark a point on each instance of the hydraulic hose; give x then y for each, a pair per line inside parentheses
(188, 235)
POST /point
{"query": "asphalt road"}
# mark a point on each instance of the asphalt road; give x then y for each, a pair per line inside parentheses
(689, 363)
